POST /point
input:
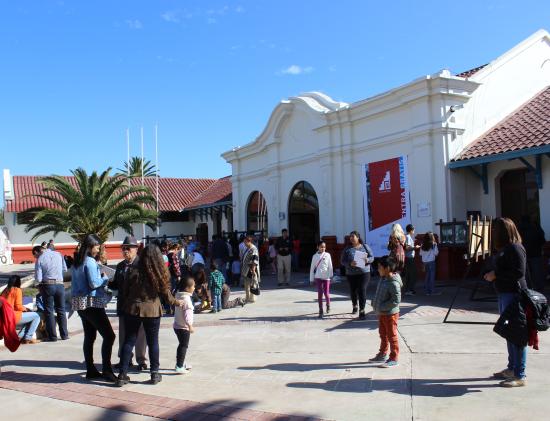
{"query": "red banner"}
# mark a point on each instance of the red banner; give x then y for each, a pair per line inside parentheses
(386, 193)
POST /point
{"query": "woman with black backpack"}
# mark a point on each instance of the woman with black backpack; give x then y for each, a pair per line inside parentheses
(509, 279)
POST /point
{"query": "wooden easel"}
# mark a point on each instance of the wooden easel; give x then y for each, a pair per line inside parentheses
(478, 248)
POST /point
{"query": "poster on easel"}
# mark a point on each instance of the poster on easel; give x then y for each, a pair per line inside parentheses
(386, 200)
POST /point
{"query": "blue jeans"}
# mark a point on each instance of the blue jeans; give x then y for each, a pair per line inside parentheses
(54, 307)
(429, 286)
(217, 302)
(517, 355)
(31, 320)
(151, 325)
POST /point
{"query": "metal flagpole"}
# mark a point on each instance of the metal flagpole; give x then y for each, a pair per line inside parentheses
(142, 178)
(128, 153)
(157, 175)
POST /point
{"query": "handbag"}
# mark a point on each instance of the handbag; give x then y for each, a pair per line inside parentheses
(255, 291)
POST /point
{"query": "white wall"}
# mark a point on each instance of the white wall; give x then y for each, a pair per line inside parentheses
(328, 151)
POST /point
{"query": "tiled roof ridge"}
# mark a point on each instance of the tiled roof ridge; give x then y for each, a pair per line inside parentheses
(175, 193)
(471, 72)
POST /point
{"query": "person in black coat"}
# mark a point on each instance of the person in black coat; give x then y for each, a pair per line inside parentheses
(129, 252)
(533, 239)
(509, 279)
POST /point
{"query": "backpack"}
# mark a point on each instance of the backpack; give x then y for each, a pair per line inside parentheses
(539, 304)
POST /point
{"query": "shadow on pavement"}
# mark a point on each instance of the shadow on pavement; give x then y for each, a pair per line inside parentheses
(71, 365)
(306, 367)
(420, 387)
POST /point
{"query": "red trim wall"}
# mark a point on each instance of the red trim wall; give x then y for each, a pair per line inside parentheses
(22, 254)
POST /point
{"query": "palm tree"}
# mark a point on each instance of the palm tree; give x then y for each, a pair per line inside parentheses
(90, 204)
(149, 169)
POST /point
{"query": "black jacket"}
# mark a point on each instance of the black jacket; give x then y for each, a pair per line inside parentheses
(121, 274)
(510, 266)
(512, 324)
(283, 246)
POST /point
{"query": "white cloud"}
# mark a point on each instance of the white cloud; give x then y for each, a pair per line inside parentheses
(211, 21)
(171, 16)
(332, 68)
(239, 9)
(134, 23)
(294, 69)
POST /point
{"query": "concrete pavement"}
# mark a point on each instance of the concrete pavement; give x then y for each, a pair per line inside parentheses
(275, 359)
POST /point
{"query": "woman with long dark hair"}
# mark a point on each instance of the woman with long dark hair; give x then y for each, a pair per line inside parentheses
(142, 291)
(30, 319)
(89, 300)
(509, 279)
(357, 271)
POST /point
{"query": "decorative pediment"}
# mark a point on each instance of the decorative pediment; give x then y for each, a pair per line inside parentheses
(315, 103)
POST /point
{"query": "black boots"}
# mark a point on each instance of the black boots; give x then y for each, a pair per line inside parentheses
(122, 380)
(155, 378)
(328, 309)
(93, 373)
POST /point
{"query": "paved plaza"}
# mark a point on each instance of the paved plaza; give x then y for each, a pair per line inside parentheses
(276, 360)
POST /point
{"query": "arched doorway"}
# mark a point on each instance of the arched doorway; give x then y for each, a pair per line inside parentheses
(303, 219)
(256, 213)
(519, 195)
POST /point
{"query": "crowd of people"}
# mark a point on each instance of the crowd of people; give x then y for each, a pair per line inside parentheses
(179, 279)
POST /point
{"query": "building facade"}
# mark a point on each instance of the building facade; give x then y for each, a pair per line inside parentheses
(307, 166)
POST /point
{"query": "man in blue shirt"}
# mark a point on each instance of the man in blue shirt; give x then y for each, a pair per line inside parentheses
(49, 268)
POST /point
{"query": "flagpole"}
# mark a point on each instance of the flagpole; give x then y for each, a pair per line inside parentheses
(142, 177)
(157, 175)
(128, 154)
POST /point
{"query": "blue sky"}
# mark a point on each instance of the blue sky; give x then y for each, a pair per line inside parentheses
(76, 74)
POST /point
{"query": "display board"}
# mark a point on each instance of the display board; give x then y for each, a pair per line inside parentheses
(386, 200)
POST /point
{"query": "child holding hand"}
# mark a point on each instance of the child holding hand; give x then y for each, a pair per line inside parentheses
(183, 322)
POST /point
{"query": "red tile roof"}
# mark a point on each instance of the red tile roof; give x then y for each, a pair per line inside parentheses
(175, 194)
(527, 127)
(220, 191)
(471, 72)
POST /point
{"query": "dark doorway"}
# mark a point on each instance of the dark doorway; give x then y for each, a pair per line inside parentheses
(303, 220)
(256, 213)
(519, 195)
(202, 235)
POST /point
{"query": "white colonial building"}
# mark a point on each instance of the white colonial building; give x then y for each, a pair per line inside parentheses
(474, 142)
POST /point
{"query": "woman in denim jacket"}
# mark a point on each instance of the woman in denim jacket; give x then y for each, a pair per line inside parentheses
(89, 300)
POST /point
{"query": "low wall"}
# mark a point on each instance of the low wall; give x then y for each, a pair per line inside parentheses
(22, 254)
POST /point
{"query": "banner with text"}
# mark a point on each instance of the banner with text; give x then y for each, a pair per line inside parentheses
(386, 200)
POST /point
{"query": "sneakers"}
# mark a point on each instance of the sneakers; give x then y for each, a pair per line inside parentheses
(389, 364)
(30, 341)
(379, 358)
(504, 374)
(514, 382)
(184, 369)
(180, 370)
